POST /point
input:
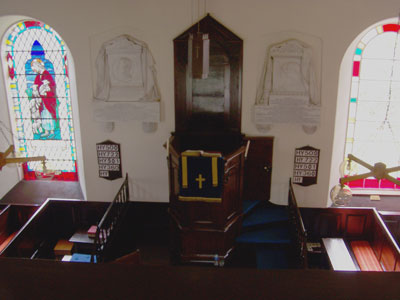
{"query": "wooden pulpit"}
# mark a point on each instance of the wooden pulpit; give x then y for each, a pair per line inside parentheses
(206, 151)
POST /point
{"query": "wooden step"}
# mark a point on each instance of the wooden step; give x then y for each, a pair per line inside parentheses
(248, 205)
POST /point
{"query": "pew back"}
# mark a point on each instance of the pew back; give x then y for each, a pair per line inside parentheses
(54, 220)
(12, 218)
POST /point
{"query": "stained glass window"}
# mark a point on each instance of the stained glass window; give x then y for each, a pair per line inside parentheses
(373, 126)
(40, 100)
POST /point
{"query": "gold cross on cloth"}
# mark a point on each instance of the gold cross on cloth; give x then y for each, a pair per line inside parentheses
(200, 180)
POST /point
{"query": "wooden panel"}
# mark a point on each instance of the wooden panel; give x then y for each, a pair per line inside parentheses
(339, 222)
(193, 245)
(397, 268)
(392, 221)
(3, 224)
(200, 228)
(258, 169)
(355, 225)
(388, 257)
(328, 224)
(82, 281)
(210, 215)
(376, 239)
(213, 103)
(12, 220)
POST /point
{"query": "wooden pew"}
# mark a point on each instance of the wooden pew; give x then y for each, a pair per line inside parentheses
(59, 220)
(12, 218)
(392, 222)
(53, 221)
(363, 233)
(365, 256)
(352, 238)
(339, 255)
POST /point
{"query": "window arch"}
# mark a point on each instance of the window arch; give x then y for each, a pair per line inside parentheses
(39, 99)
(373, 123)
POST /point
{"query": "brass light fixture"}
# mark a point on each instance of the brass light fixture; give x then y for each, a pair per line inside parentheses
(341, 193)
(379, 171)
(4, 159)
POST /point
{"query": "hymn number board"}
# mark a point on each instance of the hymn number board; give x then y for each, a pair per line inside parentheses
(109, 159)
(306, 161)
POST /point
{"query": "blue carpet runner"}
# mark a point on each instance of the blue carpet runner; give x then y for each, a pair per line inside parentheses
(265, 214)
(266, 228)
(248, 205)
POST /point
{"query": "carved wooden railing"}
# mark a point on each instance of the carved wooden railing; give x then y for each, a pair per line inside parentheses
(110, 223)
(299, 230)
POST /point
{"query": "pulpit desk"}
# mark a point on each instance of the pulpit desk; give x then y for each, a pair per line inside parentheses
(207, 119)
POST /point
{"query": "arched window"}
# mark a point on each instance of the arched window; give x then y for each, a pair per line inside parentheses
(40, 100)
(373, 124)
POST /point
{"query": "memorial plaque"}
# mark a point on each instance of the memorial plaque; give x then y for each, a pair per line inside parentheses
(306, 160)
(109, 159)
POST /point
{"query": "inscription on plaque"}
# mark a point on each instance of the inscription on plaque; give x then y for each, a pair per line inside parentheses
(109, 159)
(306, 161)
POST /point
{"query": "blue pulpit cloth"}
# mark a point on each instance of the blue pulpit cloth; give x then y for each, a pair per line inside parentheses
(201, 176)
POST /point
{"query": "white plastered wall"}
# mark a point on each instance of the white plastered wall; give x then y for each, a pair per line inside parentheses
(158, 22)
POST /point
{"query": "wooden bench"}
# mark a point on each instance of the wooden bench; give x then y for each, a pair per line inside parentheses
(7, 240)
(339, 255)
(365, 237)
(64, 219)
(359, 256)
(365, 256)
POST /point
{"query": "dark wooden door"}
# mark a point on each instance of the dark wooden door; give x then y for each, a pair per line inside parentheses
(258, 169)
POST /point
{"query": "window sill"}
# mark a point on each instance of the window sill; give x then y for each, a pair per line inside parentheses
(383, 192)
(36, 192)
(387, 202)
